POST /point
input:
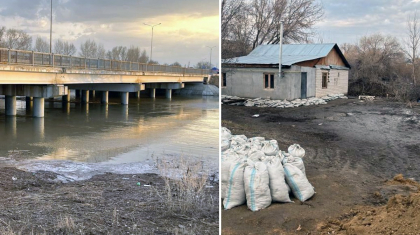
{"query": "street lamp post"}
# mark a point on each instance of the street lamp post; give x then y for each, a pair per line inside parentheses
(151, 43)
(211, 48)
(51, 30)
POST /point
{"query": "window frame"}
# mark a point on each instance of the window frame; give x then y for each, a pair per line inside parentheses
(326, 80)
(224, 79)
(269, 85)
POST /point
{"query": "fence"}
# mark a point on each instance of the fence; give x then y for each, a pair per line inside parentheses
(11, 56)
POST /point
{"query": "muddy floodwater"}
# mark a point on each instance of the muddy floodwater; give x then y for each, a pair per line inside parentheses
(99, 136)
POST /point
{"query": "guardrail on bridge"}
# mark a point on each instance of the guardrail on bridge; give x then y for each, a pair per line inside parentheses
(32, 58)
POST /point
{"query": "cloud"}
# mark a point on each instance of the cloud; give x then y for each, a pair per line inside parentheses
(348, 21)
(187, 25)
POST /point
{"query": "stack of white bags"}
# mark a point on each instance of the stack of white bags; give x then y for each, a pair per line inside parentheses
(262, 102)
(255, 171)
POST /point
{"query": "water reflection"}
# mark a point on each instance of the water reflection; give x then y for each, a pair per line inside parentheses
(117, 133)
(39, 131)
(11, 127)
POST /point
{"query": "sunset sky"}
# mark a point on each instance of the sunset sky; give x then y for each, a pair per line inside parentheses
(188, 26)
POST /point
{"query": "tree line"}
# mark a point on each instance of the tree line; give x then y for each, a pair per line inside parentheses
(20, 40)
(382, 65)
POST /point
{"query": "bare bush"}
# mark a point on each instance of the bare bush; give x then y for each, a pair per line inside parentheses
(184, 190)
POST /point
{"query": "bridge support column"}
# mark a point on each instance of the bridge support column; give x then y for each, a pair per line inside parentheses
(124, 98)
(93, 94)
(153, 92)
(104, 97)
(138, 94)
(169, 93)
(38, 107)
(85, 96)
(66, 98)
(10, 103)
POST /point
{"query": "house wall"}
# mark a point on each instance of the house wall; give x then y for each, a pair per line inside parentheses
(249, 83)
(338, 82)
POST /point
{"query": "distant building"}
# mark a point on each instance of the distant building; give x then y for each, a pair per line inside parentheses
(308, 70)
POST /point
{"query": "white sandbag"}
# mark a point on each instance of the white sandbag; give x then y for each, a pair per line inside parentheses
(256, 155)
(270, 148)
(242, 149)
(225, 133)
(257, 186)
(296, 151)
(298, 182)
(235, 192)
(259, 139)
(238, 140)
(296, 161)
(229, 157)
(225, 145)
(278, 186)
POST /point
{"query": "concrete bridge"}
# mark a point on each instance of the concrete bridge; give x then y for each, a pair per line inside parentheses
(39, 75)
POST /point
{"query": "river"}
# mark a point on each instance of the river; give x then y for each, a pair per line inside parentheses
(86, 139)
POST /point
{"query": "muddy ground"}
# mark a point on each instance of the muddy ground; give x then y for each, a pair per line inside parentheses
(35, 203)
(352, 149)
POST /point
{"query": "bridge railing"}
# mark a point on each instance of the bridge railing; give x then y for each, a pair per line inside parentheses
(11, 56)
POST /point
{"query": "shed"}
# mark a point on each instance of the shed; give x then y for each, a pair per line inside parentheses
(308, 70)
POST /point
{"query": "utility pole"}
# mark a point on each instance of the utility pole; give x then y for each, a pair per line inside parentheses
(51, 30)
(280, 47)
(151, 42)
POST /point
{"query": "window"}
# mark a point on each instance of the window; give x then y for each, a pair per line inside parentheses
(269, 80)
(324, 80)
(223, 79)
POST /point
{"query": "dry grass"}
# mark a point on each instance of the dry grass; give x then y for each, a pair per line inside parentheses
(66, 225)
(184, 191)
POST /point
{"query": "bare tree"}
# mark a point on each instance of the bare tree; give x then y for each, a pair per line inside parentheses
(413, 42)
(2, 31)
(256, 22)
(143, 57)
(17, 39)
(203, 65)
(90, 49)
(41, 45)
(378, 63)
(64, 47)
(117, 53)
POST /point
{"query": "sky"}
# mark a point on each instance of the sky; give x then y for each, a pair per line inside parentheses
(348, 21)
(188, 27)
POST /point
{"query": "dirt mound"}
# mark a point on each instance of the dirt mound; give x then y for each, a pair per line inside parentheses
(401, 215)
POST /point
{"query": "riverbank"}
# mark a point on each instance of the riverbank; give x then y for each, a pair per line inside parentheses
(38, 203)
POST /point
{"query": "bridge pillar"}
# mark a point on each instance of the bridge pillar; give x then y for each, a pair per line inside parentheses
(10, 103)
(124, 98)
(169, 93)
(153, 92)
(85, 96)
(38, 107)
(104, 97)
(93, 94)
(138, 94)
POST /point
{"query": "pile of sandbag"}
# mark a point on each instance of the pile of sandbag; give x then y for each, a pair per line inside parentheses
(260, 102)
(256, 172)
